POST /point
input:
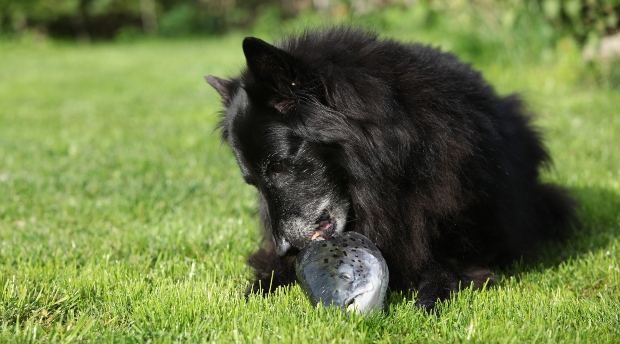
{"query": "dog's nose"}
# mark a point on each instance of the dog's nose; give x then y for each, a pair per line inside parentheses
(282, 246)
(285, 249)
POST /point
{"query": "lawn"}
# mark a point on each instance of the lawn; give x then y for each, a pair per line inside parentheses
(123, 218)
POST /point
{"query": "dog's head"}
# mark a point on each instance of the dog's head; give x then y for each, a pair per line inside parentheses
(276, 122)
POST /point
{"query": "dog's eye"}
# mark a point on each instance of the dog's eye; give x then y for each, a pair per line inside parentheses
(277, 167)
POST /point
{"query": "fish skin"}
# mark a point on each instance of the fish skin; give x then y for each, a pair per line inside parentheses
(347, 271)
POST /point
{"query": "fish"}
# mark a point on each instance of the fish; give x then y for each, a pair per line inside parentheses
(344, 270)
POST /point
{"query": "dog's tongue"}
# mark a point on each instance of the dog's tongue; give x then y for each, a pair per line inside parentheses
(324, 225)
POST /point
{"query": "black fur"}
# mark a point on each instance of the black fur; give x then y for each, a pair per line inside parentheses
(341, 130)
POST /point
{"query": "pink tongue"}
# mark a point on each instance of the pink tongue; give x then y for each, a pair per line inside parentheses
(323, 225)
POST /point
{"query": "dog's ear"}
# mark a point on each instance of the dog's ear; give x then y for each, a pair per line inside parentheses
(222, 86)
(268, 63)
(273, 68)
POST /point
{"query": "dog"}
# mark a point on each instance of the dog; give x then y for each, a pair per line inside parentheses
(340, 130)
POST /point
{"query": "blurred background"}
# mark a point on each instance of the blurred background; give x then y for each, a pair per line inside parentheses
(85, 20)
(474, 29)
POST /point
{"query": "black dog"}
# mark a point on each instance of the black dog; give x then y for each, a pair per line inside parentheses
(340, 130)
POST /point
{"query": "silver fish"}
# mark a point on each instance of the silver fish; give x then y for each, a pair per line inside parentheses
(347, 270)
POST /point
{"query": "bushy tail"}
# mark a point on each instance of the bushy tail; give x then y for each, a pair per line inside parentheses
(556, 212)
(545, 212)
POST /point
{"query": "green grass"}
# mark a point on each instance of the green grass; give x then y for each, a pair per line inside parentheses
(122, 219)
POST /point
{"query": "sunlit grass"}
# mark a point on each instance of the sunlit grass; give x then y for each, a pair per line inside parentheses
(122, 219)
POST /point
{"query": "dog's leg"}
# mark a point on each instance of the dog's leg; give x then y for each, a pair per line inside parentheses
(436, 284)
(270, 270)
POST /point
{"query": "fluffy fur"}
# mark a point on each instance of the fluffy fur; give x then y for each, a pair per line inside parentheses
(340, 130)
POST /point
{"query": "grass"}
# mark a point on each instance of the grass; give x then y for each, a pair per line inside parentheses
(122, 219)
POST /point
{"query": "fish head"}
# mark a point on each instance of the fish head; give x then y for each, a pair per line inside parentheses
(367, 289)
(348, 277)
